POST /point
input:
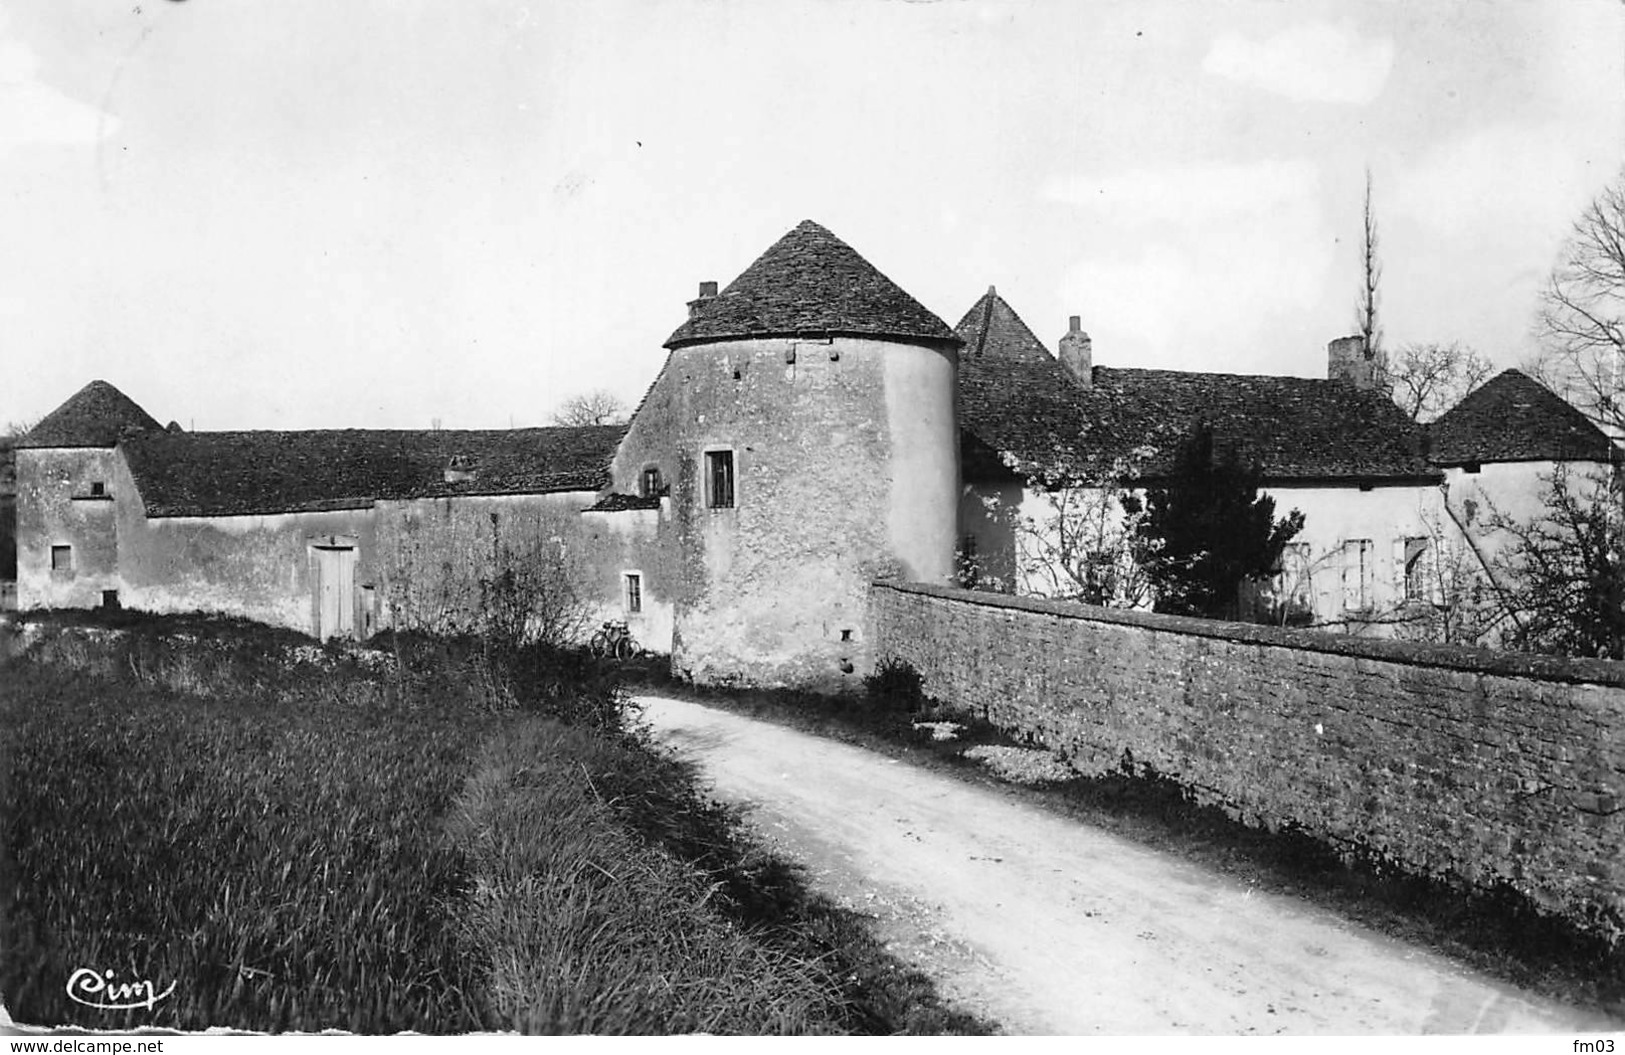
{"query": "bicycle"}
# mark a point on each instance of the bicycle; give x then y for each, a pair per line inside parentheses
(614, 640)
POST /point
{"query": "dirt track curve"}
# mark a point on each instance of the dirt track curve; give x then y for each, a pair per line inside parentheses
(1051, 926)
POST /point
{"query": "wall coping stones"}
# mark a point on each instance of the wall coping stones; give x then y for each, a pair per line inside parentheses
(1452, 657)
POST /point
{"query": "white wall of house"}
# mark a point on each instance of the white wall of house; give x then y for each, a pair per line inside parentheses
(1363, 554)
(1362, 557)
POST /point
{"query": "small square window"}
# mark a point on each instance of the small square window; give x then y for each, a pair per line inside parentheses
(634, 592)
(719, 479)
(110, 599)
(62, 559)
(98, 489)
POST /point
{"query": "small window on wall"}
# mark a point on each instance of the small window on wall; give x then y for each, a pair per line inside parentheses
(1357, 577)
(719, 479)
(1294, 580)
(1416, 569)
(62, 559)
(633, 590)
(649, 485)
(98, 489)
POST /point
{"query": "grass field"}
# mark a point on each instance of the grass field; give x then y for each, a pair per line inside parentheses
(421, 839)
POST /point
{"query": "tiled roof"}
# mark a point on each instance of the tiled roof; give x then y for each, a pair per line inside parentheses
(95, 416)
(1018, 403)
(1514, 418)
(235, 473)
(810, 283)
(991, 327)
(620, 503)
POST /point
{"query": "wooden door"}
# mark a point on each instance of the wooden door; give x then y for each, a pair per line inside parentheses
(335, 591)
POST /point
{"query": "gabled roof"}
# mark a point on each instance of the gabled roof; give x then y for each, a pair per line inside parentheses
(95, 416)
(238, 473)
(1019, 404)
(1514, 418)
(992, 328)
(810, 284)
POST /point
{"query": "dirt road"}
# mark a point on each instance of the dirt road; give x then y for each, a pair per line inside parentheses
(1050, 926)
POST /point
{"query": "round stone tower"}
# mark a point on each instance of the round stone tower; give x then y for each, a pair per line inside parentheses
(805, 425)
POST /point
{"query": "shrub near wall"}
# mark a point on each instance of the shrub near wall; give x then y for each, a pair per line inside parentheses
(1478, 767)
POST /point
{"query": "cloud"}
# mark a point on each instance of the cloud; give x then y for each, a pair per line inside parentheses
(33, 113)
(1197, 266)
(1190, 195)
(1315, 62)
(1499, 177)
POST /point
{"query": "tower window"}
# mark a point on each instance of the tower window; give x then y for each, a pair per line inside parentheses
(649, 484)
(719, 479)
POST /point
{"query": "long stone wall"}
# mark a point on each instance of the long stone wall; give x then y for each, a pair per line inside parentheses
(1475, 766)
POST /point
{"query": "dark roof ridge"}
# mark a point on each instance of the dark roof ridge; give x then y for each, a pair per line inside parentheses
(810, 283)
(1511, 418)
(97, 415)
(996, 331)
(267, 471)
(1273, 378)
(1019, 407)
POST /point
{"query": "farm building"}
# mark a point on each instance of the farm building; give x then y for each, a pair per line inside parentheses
(813, 428)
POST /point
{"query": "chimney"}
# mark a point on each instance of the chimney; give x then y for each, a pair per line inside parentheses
(1348, 360)
(707, 291)
(1077, 353)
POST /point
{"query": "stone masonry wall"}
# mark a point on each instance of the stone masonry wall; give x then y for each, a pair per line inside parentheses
(1474, 766)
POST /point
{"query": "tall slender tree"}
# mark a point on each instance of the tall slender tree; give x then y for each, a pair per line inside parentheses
(1366, 318)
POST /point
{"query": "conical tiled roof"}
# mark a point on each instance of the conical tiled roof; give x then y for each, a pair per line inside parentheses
(1514, 418)
(991, 329)
(95, 416)
(811, 284)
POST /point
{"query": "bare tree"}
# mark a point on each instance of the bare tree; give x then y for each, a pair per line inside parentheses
(1366, 319)
(598, 407)
(1074, 539)
(1582, 314)
(1429, 378)
(1566, 567)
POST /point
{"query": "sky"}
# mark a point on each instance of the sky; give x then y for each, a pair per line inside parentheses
(397, 214)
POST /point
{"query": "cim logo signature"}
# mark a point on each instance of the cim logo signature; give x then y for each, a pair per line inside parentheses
(97, 989)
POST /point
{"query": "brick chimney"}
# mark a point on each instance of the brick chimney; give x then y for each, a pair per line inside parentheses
(1348, 359)
(707, 291)
(1077, 353)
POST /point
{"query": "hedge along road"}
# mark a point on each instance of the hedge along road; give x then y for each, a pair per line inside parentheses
(1051, 926)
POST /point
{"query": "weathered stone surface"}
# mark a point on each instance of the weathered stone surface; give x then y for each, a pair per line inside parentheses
(1474, 766)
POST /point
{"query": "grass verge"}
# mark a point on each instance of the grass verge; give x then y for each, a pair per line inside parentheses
(421, 838)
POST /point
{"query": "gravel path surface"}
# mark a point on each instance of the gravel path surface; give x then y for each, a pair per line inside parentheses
(1050, 926)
